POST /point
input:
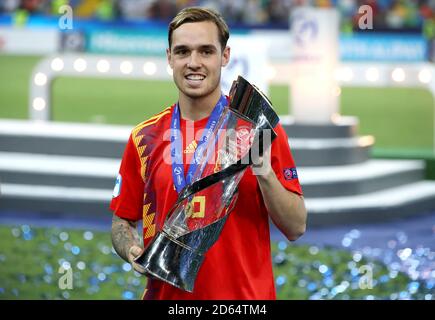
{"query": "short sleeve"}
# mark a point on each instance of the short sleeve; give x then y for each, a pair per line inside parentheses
(127, 199)
(283, 163)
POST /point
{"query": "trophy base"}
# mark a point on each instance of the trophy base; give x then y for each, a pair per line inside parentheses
(171, 261)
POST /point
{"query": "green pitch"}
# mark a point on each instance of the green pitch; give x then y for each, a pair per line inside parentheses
(401, 119)
(30, 259)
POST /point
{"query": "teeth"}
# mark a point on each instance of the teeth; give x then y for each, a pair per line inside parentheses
(195, 77)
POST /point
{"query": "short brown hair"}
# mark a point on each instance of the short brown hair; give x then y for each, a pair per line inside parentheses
(197, 14)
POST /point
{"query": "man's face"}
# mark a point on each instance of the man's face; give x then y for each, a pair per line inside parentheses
(196, 58)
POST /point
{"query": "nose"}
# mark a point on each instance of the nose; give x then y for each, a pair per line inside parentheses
(194, 61)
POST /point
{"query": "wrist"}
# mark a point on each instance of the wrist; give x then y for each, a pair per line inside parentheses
(265, 175)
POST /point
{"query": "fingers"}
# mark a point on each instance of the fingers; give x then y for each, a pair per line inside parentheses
(135, 251)
(138, 268)
(262, 164)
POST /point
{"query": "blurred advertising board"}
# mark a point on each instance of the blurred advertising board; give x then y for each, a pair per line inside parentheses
(126, 42)
(383, 47)
(28, 40)
(357, 47)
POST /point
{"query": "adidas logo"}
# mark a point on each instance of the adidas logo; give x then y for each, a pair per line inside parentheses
(191, 147)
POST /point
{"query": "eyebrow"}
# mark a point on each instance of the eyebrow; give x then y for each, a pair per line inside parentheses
(201, 47)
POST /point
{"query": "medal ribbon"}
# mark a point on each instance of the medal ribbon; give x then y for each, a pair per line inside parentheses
(178, 176)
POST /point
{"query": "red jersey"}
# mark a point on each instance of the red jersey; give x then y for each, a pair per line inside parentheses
(239, 265)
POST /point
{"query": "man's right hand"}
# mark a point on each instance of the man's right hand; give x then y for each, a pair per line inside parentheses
(133, 253)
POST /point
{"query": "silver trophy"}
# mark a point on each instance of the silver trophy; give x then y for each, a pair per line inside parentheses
(243, 131)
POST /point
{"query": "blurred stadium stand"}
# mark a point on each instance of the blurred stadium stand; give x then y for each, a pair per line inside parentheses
(392, 15)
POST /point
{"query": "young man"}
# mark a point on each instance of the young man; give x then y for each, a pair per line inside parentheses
(238, 265)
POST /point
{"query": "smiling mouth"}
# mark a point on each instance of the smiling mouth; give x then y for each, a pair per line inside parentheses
(195, 77)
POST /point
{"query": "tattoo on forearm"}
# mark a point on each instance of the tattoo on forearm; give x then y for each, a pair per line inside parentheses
(124, 235)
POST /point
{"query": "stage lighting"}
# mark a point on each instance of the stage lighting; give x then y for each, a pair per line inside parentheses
(398, 75)
(126, 67)
(103, 66)
(149, 68)
(425, 76)
(38, 104)
(40, 79)
(80, 65)
(57, 64)
(372, 74)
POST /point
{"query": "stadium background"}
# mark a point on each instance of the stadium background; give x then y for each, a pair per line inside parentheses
(401, 119)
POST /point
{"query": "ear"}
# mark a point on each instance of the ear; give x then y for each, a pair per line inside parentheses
(169, 57)
(226, 56)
